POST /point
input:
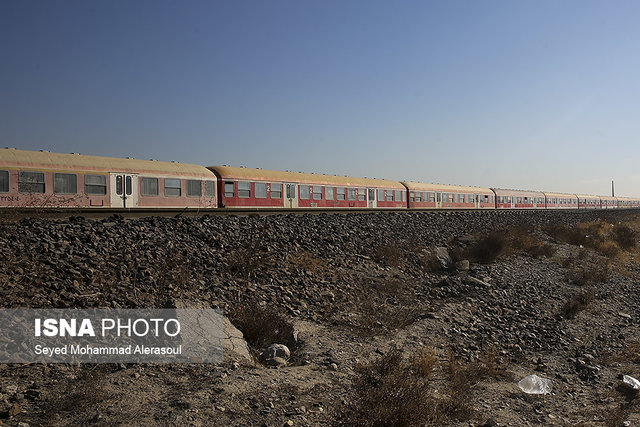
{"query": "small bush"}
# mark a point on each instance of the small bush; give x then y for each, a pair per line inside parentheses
(487, 248)
(430, 263)
(387, 393)
(261, 326)
(389, 254)
(594, 275)
(625, 236)
(305, 260)
(576, 304)
(424, 362)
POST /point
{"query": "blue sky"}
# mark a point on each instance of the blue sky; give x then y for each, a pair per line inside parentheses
(517, 94)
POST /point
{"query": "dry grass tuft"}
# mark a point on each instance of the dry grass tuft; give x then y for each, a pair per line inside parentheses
(596, 274)
(424, 363)
(487, 248)
(305, 260)
(576, 304)
(79, 394)
(389, 254)
(262, 326)
(392, 392)
(387, 393)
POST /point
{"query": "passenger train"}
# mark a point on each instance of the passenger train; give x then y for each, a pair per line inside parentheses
(41, 179)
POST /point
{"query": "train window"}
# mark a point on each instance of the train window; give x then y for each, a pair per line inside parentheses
(418, 196)
(128, 185)
(351, 193)
(244, 189)
(432, 197)
(328, 193)
(404, 196)
(4, 181)
(361, 194)
(398, 195)
(31, 182)
(412, 196)
(317, 192)
(194, 188)
(380, 194)
(229, 189)
(340, 193)
(95, 184)
(276, 191)
(304, 192)
(65, 183)
(149, 186)
(260, 189)
(209, 188)
(172, 188)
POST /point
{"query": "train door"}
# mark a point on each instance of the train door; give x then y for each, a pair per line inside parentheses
(124, 190)
(438, 200)
(371, 198)
(290, 200)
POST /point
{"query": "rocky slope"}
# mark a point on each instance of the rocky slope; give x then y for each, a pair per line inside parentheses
(358, 288)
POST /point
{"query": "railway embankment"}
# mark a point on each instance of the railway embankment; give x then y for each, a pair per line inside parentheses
(379, 311)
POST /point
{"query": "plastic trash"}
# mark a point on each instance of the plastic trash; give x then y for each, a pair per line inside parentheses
(534, 384)
(631, 382)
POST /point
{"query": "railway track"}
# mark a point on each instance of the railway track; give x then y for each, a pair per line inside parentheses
(16, 214)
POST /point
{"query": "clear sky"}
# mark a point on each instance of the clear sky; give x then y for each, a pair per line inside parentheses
(519, 94)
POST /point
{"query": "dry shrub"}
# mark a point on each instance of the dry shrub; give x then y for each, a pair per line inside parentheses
(597, 235)
(389, 254)
(430, 263)
(630, 353)
(625, 236)
(608, 248)
(305, 260)
(576, 304)
(79, 394)
(382, 305)
(596, 274)
(487, 248)
(262, 326)
(387, 393)
(247, 260)
(522, 240)
(424, 362)
(392, 392)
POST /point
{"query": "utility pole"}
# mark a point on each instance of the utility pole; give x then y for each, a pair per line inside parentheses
(613, 193)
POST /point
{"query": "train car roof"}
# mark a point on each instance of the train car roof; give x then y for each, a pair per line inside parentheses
(608, 198)
(587, 196)
(509, 192)
(421, 186)
(10, 157)
(250, 174)
(561, 195)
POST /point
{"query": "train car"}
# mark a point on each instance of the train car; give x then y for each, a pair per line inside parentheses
(518, 199)
(441, 196)
(586, 201)
(43, 179)
(258, 188)
(627, 202)
(608, 202)
(561, 201)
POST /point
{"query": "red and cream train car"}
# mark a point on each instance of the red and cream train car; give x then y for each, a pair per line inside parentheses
(44, 179)
(586, 201)
(608, 202)
(435, 196)
(259, 188)
(561, 201)
(518, 199)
